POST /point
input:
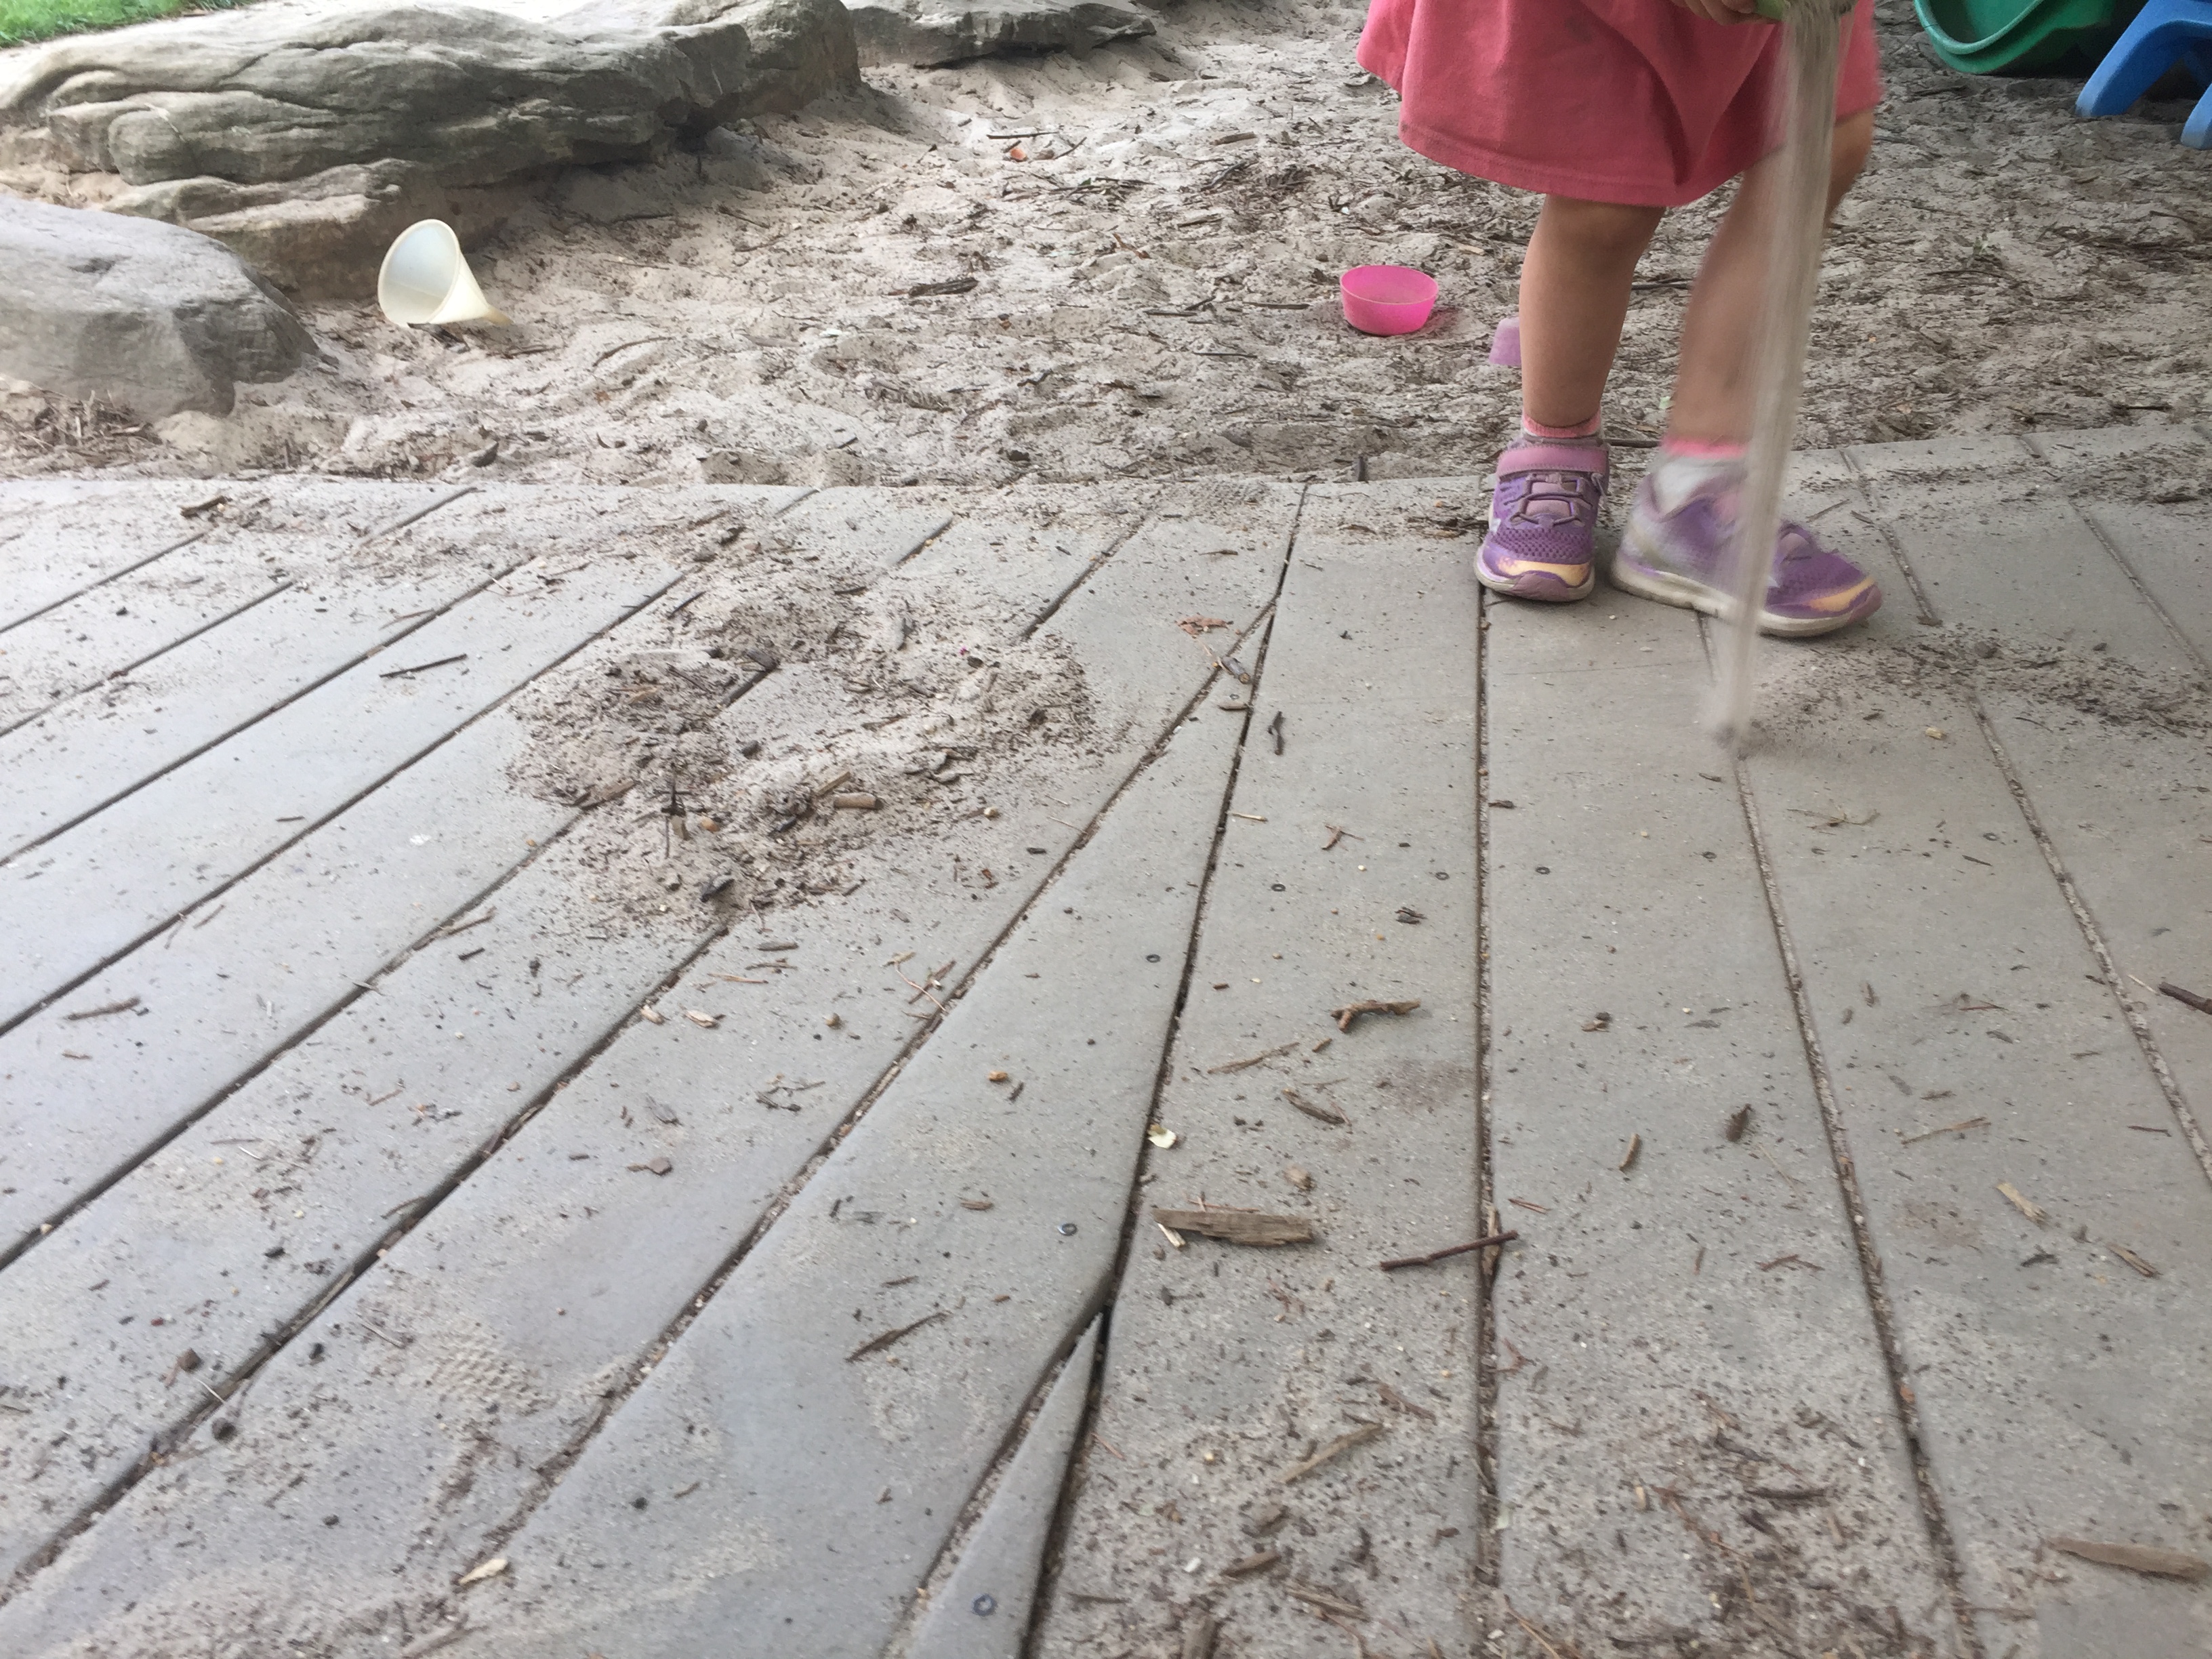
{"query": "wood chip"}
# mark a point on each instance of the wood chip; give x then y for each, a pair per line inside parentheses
(1336, 1448)
(855, 802)
(1628, 1158)
(1314, 1596)
(2026, 1206)
(975, 1203)
(697, 1017)
(875, 1343)
(1325, 1113)
(1350, 1012)
(1237, 1226)
(2136, 1558)
(476, 1575)
(2133, 1261)
(1264, 1561)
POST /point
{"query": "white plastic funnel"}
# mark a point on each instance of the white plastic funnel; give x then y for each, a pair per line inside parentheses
(425, 279)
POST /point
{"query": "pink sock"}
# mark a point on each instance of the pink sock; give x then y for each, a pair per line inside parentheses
(1698, 449)
(1581, 429)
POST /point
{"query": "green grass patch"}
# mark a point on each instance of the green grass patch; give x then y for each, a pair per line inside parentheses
(42, 19)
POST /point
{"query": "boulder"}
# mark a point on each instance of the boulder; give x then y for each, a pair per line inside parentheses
(306, 137)
(150, 317)
(929, 32)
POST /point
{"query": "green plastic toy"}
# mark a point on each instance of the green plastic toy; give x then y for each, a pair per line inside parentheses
(1987, 37)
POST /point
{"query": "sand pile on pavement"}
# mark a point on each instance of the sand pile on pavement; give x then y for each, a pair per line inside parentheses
(2067, 682)
(743, 752)
(1134, 254)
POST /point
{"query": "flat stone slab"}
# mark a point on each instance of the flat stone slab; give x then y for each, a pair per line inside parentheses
(548, 1176)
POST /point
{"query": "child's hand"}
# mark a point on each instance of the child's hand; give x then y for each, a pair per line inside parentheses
(1723, 11)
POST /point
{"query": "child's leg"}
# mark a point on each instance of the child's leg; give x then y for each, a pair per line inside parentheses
(1574, 300)
(1713, 394)
(1679, 545)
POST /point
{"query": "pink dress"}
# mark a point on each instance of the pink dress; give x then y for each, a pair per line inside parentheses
(1634, 101)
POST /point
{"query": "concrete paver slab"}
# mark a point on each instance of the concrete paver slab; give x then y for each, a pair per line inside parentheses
(103, 635)
(998, 1224)
(297, 1176)
(1682, 1332)
(1949, 981)
(565, 1250)
(1228, 1365)
(534, 1217)
(97, 889)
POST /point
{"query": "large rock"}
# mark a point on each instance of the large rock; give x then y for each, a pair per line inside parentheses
(151, 317)
(927, 32)
(306, 137)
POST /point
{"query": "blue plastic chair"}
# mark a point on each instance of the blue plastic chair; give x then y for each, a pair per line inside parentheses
(2165, 33)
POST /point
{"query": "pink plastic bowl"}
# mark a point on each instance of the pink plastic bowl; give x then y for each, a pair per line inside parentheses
(1387, 299)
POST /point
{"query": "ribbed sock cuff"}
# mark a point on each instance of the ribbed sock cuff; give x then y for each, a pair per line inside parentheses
(1698, 449)
(1556, 434)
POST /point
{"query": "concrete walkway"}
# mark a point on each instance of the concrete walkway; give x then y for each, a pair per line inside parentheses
(404, 1247)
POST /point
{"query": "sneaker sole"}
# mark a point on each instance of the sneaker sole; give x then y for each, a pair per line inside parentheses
(1562, 595)
(1680, 591)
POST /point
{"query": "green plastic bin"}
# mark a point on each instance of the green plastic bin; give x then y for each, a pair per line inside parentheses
(1989, 37)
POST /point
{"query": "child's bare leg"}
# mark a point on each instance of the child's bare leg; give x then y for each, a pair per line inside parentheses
(1574, 299)
(1713, 394)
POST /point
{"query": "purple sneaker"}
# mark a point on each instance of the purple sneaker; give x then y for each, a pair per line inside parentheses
(1543, 516)
(1682, 558)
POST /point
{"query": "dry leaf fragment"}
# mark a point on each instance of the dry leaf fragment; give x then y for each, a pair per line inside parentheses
(476, 1575)
(1739, 1120)
(2026, 1206)
(659, 1166)
(1297, 1177)
(1258, 1563)
(1237, 1226)
(1195, 626)
(653, 1014)
(1336, 1448)
(975, 1203)
(697, 1017)
(2136, 1558)
(2133, 1261)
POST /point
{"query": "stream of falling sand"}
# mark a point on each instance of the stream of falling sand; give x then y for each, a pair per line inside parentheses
(1812, 48)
